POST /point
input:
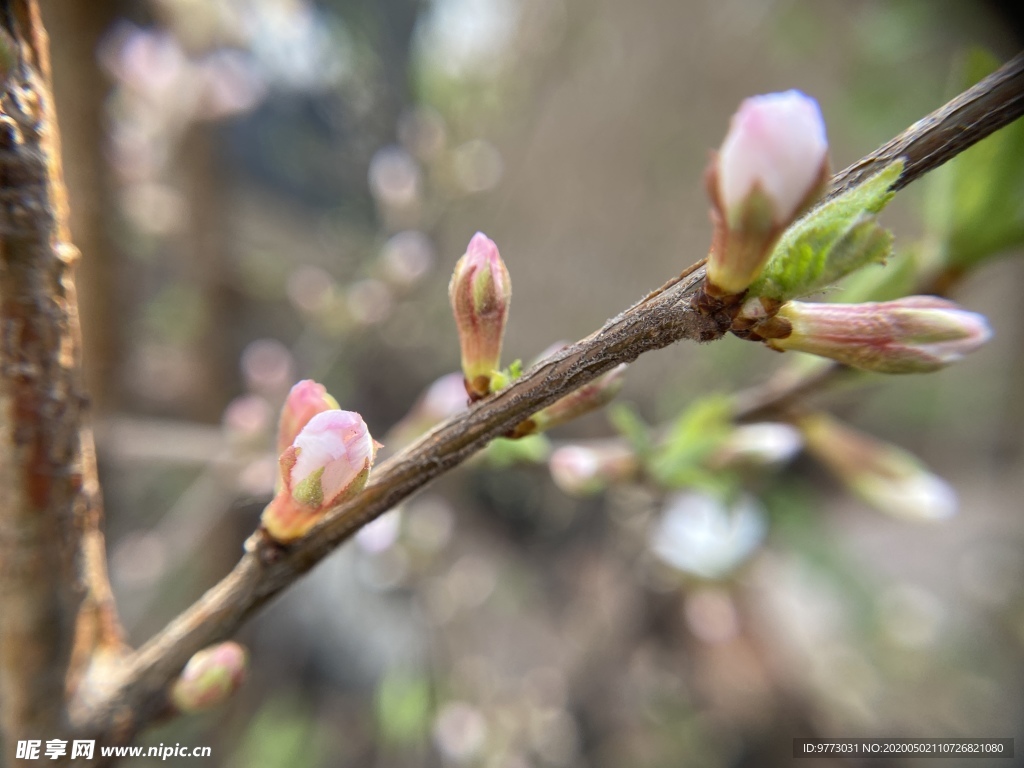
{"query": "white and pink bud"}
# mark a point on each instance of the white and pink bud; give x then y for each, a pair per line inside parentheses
(771, 166)
(480, 292)
(707, 536)
(580, 470)
(327, 464)
(210, 677)
(916, 334)
(757, 445)
(305, 400)
(888, 478)
(776, 144)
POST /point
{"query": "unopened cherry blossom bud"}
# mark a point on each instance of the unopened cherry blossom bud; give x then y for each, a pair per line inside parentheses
(305, 400)
(770, 167)
(328, 463)
(757, 445)
(580, 470)
(888, 478)
(210, 677)
(587, 398)
(915, 334)
(707, 536)
(480, 292)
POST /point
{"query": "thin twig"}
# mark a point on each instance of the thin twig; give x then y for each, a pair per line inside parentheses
(655, 322)
(996, 101)
(783, 390)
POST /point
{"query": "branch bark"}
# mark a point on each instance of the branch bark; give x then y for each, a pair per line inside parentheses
(58, 613)
(42, 509)
(660, 319)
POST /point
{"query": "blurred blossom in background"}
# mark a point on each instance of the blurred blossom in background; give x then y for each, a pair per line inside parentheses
(272, 190)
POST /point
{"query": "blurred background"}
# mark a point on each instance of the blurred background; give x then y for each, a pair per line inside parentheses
(271, 190)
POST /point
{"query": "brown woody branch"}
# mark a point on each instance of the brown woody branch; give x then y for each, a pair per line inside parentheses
(44, 513)
(56, 608)
(658, 320)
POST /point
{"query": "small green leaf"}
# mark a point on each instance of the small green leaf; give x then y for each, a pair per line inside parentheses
(285, 732)
(677, 461)
(628, 423)
(403, 708)
(501, 379)
(530, 449)
(831, 241)
(898, 279)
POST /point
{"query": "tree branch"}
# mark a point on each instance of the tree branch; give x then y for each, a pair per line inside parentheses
(996, 101)
(660, 319)
(43, 512)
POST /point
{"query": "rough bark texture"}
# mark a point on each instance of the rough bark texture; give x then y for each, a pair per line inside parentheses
(41, 399)
(59, 626)
(80, 91)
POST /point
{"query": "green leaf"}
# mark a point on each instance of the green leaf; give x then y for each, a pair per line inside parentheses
(628, 423)
(677, 461)
(501, 379)
(531, 449)
(897, 279)
(403, 708)
(831, 241)
(283, 732)
(975, 203)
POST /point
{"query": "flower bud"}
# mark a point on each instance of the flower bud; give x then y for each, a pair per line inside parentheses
(580, 470)
(480, 292)
(703, 535)
(771, 166)
(305, 400)
(587, 398)
(328, 463)
(757, 445)
(210, 677)
(888, 478)
(915, 334)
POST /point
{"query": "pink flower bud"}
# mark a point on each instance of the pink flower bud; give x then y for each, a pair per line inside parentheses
(915, 334)
(884, 476)
(328, 463)
(587, 398)
(210, 677)
(777, 143)
(305, 400)
(757, 445)
(771, 165)
(480, 292)
(580, 470)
